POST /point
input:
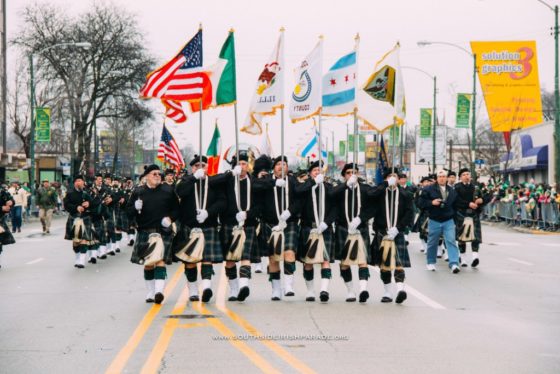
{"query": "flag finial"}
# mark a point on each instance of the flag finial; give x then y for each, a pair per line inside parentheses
(231, 29)
(200, 25)
(357, 37)
(282, 29)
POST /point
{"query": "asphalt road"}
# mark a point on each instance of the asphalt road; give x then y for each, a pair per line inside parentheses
(503, 317)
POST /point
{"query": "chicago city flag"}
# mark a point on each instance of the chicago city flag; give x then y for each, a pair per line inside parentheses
(339, 85)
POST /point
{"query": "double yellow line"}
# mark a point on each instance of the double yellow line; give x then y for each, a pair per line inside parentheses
(156, 355)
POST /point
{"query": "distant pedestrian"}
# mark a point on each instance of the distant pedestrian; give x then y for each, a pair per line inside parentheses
(20, 202)
(47, 199)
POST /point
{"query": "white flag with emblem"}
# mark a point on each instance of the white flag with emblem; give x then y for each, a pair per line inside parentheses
(305, 101)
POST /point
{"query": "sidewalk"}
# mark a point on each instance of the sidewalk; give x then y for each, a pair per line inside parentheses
(526, 230)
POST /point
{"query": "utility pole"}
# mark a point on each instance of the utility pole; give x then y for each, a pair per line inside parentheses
(557, 102)
(4, 83)
(473, 141)
(434, 139)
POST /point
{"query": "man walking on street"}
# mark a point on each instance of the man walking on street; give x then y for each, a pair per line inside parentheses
(46, 201)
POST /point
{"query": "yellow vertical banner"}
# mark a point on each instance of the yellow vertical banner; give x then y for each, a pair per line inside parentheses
(509, 77)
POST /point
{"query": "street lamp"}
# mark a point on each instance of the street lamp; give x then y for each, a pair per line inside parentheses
(434, 78)
(556, 95)
(85, 45)
(424, 43)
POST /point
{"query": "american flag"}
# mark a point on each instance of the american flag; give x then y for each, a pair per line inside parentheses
(182, 78)
(174, 110)
(168, 150)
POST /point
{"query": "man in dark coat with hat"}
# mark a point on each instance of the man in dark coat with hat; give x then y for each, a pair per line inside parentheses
(154, 207)
(202, 201)
(353, 213)
(261, 170)
(394, 216)
(170, 177)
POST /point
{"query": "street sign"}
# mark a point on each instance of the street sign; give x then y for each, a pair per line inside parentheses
(43, 125)
(424, 150)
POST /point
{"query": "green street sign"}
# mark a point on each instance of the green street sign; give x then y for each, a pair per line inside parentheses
(342, 148)
(43, 125)
(463, 111)
(425, 122)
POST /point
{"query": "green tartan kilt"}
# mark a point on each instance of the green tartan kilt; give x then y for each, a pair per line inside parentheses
(226, 235)
(99, 232)
(328, 237)
(212, 243)
(460, 218)
(6, 238)
(122, 223)
(87, 235)
(291, 237)
(142, 240)
(402, 256)
(342, 234)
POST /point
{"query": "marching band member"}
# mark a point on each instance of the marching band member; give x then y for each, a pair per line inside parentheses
(421, 224)
(239, 223)
(98, 192)
(110, 201)
(394, 215)
(469, 204)
(352, 220)
(318, 213)
(6, 237)
(129, 187)
(280, 225)
(201, 204)
(154, 206)
(170, 177)
(79, 205)
(261, 168)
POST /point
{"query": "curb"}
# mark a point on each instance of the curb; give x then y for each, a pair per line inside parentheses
(519, 229)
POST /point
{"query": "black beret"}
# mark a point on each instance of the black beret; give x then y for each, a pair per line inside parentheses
(262, 163)
(108, 175)
(402, 175)
(169, 171)
(349, 166)
(98, 175)
(278, 159)
(196, 159)
(389, 171)
(79, 176)
(315, 164)
(424, 179)
(451, 173)
(464, 170)
(149, 169)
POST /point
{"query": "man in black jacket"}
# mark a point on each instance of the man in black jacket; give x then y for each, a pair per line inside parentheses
(154, 206)
(439, 199)
(202, 201)
(470, 201)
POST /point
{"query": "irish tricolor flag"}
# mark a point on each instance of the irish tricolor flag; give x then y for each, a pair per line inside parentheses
(213, 152)
(222, 76)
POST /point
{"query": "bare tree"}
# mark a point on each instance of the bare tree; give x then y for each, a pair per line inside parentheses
(114, 66)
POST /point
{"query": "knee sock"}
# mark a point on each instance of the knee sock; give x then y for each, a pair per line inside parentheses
(191, 274)
(308, 274)
(149, 274)
(385, 276)
(206, 271)
(346, 275)
(245, 271)
(363, 273)
(289, 268)
(160, 273)
(399, 275)
(231, 272)
(274, 276)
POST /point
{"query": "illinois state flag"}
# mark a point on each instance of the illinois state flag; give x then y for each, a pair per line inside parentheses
(269, 91)
(306, 97)
(213, 152)
(339, 85)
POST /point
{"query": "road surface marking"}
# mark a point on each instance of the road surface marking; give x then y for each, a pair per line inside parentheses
(510, 244)
(37, 260)
(126, 352)
(520, 261)
(275, 348)
(419, 295)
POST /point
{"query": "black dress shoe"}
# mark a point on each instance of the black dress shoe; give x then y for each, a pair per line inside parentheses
(324, 296)
(386, 299)
(401, 296)
(131, 243)
(79, 266)
(158, 298)
(118, 250)
(194, 298)
(364, 295)
(310, 298)
(350, 299)
(206, 295)
(243, 293)
(474, 263)
(149, 300)
(275, 298)
(289, 294)
(231, 298)
(93, 260)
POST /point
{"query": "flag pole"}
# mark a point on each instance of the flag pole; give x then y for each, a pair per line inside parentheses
(200, 152)
(354, 157)
(237, 182)
(320, 144)
(282, 204)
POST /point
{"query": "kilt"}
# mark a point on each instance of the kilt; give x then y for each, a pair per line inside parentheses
(212, 243)
(226, 235)
(291, 235)
(460, 218)
(402, 257)
(260, 249)
(99, 233)
(88, 234)
(110, 222)
(121, 219)
(342, 234)
(328, 237)
(142, 238)
(422, 216)
(6, 238)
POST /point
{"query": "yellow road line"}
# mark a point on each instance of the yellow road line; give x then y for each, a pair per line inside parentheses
(119, 362)
(277, 349)
(259, 361)
(154, 359)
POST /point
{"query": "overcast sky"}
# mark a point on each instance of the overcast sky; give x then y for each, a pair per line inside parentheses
(168, 24)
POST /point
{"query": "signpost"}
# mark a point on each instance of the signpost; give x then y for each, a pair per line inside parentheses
(42, 125)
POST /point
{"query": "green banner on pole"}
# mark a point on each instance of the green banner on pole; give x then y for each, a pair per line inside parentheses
(362, 145)
(330, 160)
(350, 142)
(425, 122)
(463, 111)
(394, 132)
(43, 125)
(342, 148)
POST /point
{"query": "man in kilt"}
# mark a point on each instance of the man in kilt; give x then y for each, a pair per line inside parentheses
(98, 192)
(318, 213)
(394, 215)
(6, 237)
(353, 219)
(470, 202)
(261, 169)
(79, 205)
(421, 223)
(280, 213)
(121, 218)
(201, 203)
(241, 212)
(154, 206)
(131, 231)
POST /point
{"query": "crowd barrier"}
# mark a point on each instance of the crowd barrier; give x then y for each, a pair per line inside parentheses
(543, 216)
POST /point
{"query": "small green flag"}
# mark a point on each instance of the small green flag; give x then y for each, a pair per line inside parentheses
(226, 92)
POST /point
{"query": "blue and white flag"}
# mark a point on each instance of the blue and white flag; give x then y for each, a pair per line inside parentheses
(339, 85)
(306, 96)
(311, 147)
